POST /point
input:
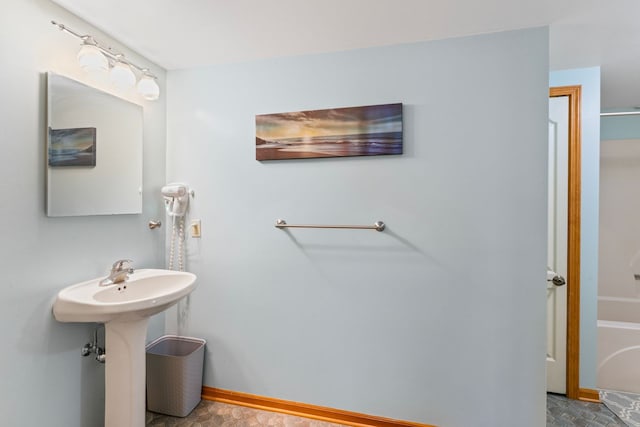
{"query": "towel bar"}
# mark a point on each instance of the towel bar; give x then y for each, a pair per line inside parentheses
(378, 226)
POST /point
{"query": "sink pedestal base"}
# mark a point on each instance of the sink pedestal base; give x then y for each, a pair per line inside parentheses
(125, 369)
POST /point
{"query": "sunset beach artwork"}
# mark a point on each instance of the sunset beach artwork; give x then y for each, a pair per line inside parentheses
(372, 130)
(72, 147)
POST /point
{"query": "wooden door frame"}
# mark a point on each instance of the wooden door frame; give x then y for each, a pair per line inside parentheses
(574, 391)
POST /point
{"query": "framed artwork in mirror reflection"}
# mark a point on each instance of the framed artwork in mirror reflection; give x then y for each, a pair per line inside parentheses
(72, 147)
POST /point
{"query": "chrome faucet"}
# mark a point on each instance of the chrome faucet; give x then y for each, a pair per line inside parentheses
(120, 271)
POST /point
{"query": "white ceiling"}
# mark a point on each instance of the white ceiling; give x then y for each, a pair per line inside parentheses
(191, 33)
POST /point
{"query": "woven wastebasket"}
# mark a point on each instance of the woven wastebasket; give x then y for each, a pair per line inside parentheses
(174, 374)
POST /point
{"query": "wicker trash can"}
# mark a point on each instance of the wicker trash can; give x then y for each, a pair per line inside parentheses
(174, 374)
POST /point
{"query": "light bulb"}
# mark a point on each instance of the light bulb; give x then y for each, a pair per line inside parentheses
(122, 76)
(148, 87)
(91, 58)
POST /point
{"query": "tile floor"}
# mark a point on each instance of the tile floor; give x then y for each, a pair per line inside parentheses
(216, 414)
(561, 412)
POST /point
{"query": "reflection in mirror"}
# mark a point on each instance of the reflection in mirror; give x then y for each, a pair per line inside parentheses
(94, 151)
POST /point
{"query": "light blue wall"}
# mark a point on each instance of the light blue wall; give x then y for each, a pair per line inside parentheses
(619, 127)
(44, 380)
(589, 79)
(441, 318)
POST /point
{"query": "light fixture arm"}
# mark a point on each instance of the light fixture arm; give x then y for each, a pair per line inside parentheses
(108, 51)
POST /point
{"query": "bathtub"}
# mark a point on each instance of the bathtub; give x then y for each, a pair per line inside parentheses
(619, 344)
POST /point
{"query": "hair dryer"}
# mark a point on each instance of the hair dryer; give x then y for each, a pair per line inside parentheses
(176, 199)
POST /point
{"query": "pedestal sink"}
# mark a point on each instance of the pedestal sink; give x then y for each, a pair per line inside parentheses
(124, 308)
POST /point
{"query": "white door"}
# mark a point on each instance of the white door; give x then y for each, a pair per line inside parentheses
(557, 244)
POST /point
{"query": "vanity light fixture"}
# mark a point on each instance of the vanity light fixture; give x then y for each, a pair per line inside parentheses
(94, 57)
(121, 74)
(147, 86)
(90, 57)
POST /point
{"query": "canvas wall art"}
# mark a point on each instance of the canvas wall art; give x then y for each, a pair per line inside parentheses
(72, 147)
(372, 130)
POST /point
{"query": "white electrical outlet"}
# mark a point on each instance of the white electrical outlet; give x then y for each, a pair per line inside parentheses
(196, 230)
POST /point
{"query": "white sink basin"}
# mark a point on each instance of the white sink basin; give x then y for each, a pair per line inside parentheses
(145, 293)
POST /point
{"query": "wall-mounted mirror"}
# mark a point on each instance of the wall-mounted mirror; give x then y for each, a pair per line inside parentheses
(94, 151)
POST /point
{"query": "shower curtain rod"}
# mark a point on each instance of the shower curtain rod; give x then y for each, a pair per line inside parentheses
(621, 113)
